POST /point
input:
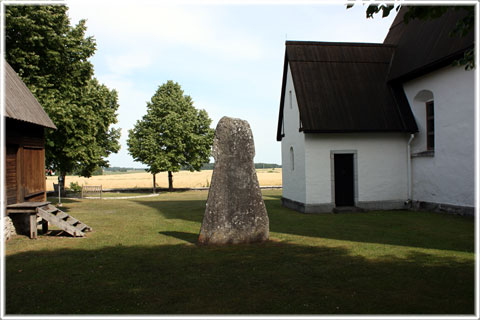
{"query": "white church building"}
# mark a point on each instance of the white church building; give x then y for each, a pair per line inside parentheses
(380, 126)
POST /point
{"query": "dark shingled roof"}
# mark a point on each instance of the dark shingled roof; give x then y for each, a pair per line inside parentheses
(357, 87)
(20, 104)
(425, 45)
(341, 87)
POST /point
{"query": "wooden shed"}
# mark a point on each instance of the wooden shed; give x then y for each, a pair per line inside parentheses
(25, 124)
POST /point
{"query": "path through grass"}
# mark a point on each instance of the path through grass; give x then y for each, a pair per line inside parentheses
(141, 258)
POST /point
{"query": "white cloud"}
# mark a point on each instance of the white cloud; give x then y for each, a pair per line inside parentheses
(153, 25)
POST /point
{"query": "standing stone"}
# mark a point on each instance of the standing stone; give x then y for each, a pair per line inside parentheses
(235, 211)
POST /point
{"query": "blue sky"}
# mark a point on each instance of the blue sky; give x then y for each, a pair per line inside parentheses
(227, 56)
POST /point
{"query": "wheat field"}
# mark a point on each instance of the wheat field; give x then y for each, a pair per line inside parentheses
(182, 179)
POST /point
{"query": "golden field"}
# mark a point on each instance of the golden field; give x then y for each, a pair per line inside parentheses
(182, 179)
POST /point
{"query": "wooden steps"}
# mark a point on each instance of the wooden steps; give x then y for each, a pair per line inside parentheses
(63, 220)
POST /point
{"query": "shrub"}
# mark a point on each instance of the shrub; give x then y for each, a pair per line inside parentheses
(75, 187)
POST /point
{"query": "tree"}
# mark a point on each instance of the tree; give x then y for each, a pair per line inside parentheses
(173, 134)
(462, 28)
(51, 57)
(85, 138)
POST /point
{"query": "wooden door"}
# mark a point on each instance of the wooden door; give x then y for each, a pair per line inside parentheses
(34, 174)
(344, 179)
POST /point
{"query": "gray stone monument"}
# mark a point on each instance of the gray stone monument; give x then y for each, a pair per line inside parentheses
(235, 211)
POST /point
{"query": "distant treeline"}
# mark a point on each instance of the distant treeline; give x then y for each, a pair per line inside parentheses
(100, 171)
(208, 166)
(121, 169)
(267, 165)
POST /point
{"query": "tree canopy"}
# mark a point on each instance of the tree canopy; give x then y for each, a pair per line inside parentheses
(462, 28)
(173, 134)
(51, 57)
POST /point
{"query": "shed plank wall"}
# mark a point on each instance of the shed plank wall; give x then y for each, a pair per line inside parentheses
(25, 134)
(24, 162)
(11, 174)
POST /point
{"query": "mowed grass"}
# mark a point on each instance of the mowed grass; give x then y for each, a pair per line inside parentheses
(142, 258)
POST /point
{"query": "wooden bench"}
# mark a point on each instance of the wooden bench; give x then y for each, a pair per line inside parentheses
(91, 190)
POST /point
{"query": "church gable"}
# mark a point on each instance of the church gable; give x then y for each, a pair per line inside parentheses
(341, 87)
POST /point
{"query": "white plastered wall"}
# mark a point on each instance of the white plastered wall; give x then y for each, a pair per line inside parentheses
(293, 178)
(381, 165)
(449, 176)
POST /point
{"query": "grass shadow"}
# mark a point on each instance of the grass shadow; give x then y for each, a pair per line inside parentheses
(184, 236)
(54, 200)
(404, 228)
(65, 207)
(265, 278)
(56, 233)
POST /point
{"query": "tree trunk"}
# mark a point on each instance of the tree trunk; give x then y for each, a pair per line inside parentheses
(154, 183)
(170, 181)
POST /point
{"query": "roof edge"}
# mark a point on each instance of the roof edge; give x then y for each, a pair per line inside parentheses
(357, 131)
(433, 66)
(282, 98)
(13, 81)
(30, 122)
(337, 44)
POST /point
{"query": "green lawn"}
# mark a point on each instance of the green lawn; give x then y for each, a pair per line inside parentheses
(141, 258)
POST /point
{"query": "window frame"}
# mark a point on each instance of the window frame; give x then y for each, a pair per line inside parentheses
(290, 100)
(292, 159)
(430, 125)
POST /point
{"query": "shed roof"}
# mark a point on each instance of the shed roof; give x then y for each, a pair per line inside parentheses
(341, 87)
(425, 45)
(20, 104)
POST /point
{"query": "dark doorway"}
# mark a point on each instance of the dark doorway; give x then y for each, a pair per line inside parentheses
(344, 185)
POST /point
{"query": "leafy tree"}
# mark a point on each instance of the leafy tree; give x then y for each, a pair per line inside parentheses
(462, 28)
(51, 57)
(172, 135)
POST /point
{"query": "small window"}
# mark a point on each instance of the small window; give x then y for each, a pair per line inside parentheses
(290, 99)
(292, 159)
(430, 125)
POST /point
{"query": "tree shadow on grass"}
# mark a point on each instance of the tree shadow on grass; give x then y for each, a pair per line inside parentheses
(266, 278)
(56, 233)
(65, 207)
(190, 210)
(54, 200)
(404, 228)
(184, 236)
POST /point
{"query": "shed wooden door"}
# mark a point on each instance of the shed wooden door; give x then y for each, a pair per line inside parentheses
(34, 174)
(11, 173)
(344, 179)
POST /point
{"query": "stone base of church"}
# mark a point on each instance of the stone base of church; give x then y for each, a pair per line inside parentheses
(379, 205)
(330, 207)
(382, 205)
(443, 207)
(307, 208)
